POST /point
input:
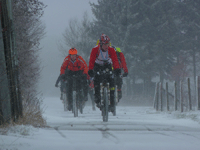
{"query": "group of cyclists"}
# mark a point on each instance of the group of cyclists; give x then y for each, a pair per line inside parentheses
(102, 56)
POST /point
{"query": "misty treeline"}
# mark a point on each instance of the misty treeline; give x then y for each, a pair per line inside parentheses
(28, 31)
(159, 38)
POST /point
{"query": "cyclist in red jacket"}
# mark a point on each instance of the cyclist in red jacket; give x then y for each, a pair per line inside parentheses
(123, 65)
(74, 65)
(103, 56)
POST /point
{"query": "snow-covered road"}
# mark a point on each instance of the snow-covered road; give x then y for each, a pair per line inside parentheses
(139, 128)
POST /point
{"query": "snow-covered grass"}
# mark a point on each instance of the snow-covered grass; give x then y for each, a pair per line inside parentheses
(137, 128)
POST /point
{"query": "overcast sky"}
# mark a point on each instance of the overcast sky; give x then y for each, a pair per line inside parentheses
(56, 18)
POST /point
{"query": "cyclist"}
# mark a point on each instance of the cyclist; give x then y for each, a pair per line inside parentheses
(61, 86)
(74, 65)
(103, 56)
(122, 64)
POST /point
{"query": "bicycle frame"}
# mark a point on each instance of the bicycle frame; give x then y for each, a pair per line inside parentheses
(76, 97)
(105, 92)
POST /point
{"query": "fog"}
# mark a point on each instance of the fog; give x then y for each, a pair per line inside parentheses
(56, 18)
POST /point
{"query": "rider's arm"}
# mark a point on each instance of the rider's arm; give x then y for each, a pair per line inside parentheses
(58, 80)
(114, 58)
(63, 67)
(123, 62)
(85, 65)
(93, 56)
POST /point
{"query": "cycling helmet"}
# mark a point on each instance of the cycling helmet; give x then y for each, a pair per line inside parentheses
(73, 51)
(104, 39)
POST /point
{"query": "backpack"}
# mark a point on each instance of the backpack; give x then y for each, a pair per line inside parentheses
(118, 57)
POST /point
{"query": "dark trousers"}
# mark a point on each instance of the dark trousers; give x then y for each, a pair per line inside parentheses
(81, 83)
(70, 88)
(118, 82)
(84, 83)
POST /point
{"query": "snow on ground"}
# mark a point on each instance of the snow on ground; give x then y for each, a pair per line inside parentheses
(139, 128)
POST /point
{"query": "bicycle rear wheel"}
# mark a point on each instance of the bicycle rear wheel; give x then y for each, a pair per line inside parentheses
(115, 101)
(105, 105)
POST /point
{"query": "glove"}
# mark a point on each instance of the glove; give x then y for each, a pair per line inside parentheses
(125, 74)
(78, 73)
(117, 72)
(91, 73)
(63, 77)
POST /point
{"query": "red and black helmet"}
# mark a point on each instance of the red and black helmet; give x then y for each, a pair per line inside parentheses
(104, 39)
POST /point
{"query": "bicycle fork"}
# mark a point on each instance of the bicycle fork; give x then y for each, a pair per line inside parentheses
(101, 92)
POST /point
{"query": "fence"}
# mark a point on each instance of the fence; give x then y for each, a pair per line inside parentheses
(181, 98)
(10, 98)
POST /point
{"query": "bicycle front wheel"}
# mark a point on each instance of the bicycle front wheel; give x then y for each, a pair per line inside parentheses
(65, 101)
(105, 105)
(75, 109)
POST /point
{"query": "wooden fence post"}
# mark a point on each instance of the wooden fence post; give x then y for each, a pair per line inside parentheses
(198, 93)
(157, 97)
(181, 96)
(161, 99)
(175, 96)
(189, 95)
(167, 97)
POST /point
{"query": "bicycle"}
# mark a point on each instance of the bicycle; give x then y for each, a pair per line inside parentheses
(77, 96)
(116, 100)
(105, 74)
(65, 102)
(63, 89)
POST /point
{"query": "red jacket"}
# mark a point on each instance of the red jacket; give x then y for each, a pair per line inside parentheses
(95, 53)
(79, 64)
(122, 62)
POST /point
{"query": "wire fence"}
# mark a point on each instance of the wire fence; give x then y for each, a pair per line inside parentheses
(179, 99)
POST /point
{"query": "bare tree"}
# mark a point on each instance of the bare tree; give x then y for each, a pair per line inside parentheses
(29, 30)
(77, 35)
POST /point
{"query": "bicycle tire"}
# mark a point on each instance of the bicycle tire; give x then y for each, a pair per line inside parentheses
(75, 110)
(115, 101)
(81, 102)
(65, 101)
(105, 105)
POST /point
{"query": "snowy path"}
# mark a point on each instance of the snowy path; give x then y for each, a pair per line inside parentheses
(139, 128)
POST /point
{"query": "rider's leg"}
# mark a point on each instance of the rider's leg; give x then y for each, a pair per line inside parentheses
(92, 97)
(61, 89)
(69, 92)
(97, 96)
(85, 87)
(78, 87)
(119, 88)
(112, 92)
